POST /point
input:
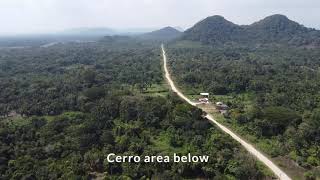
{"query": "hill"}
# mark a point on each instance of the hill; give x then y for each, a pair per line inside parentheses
(213, 30)
(275, 29)
(165, 34)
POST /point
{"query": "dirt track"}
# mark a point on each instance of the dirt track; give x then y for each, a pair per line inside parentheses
(274, 168)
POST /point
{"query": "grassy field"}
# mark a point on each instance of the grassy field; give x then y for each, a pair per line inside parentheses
(157, 90)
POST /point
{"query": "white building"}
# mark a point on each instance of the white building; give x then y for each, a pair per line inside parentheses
(204, 98)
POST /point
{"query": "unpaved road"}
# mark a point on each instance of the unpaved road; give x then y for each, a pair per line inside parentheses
(276, 170)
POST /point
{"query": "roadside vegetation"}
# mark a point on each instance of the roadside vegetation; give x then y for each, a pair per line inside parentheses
(272, 92)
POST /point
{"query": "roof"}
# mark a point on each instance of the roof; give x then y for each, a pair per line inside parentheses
(204, 94)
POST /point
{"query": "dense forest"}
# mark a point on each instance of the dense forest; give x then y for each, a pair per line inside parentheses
(64, 108)
(272, 92)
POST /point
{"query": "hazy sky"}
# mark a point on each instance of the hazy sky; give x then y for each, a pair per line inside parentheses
(36, 16)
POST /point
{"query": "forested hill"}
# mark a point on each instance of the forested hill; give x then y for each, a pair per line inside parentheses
(276, 29)
(167, 33)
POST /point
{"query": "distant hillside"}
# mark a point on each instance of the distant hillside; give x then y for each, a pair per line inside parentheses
(167, 33)
(90, 31)
(179, 28)
(275, 29)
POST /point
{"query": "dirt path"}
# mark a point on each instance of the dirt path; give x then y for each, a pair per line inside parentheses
(275, 169)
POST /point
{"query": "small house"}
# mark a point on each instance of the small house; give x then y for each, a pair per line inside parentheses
(204, 98)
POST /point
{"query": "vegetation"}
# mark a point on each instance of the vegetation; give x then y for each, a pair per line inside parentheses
(272, 93)
(64, 108)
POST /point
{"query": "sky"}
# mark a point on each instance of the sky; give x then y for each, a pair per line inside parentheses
(43, 16)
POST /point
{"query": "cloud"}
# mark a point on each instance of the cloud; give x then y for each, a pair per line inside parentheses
(26, 16)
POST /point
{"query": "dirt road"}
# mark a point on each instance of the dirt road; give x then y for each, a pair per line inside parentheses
(276, 170)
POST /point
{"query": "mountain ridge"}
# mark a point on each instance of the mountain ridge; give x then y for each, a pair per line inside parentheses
(274, 29)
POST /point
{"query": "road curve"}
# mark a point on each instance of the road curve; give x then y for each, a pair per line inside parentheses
(275, 169)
